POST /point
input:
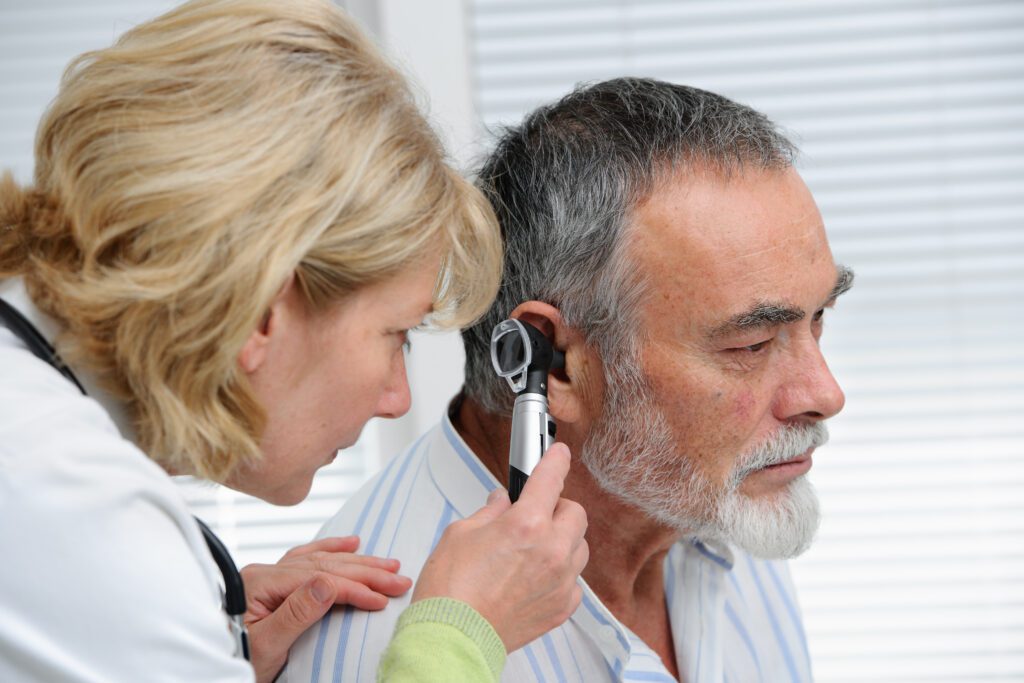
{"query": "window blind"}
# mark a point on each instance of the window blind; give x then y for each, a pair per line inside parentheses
(910, 117)
(37, 40)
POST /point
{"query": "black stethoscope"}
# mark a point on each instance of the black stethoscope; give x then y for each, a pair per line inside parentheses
(234, 589)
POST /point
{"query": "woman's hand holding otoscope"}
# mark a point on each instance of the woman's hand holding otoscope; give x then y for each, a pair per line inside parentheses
(526, 584)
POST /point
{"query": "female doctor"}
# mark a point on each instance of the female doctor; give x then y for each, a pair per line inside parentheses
(237, 215)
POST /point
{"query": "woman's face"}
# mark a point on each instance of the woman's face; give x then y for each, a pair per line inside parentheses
(321, 376)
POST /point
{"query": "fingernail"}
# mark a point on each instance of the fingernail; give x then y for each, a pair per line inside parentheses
(320, 591)
(494, 495)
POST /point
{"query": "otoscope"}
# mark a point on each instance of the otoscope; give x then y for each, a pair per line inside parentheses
(523, 356)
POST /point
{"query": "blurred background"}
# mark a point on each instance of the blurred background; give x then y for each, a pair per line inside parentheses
(910, 115)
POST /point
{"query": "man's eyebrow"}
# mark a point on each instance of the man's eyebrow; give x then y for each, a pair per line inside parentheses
(844, 281)
(763, 314)
(769, 314)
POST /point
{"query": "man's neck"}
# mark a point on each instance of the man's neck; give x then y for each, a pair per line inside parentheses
(627, 548)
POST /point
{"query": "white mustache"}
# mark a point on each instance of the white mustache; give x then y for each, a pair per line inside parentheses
(789, 442)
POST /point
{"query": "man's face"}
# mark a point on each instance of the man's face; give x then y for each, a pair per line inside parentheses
(725, 405)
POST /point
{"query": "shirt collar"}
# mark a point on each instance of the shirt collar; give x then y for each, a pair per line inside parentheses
(12, 290)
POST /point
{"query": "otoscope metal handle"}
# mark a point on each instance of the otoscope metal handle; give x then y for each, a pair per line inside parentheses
(533, 432)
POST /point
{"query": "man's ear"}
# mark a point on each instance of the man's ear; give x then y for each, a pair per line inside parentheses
(256, 348)
(568, 387)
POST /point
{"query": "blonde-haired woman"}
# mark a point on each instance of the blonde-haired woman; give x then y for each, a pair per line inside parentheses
(237, 215)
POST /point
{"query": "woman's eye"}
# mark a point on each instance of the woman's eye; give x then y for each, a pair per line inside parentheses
(406, 342)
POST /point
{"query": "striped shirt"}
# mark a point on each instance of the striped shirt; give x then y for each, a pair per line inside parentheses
(734, 619)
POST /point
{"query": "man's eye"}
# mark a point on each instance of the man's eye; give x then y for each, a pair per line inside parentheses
(818, 315)
(752, 348)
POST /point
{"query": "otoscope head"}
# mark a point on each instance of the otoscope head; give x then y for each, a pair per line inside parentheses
(524, 356)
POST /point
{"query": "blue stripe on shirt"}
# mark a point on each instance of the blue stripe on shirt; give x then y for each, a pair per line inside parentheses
(569, 648)
(391, 546)
(741, 630)
(604, 622)
(700, 610)
(736, 584)
(648, 676)
(468, 460)
(346, 620)
(549, 647)
(442, 524)
(787, 600)
(325, 623)
(534, 664)
(776, 627)
(712, 626)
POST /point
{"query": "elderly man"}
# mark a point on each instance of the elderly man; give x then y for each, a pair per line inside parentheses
(660, 237)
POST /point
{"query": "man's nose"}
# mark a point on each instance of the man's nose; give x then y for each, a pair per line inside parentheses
(811, 391)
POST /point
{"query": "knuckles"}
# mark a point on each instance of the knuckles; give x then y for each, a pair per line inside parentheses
(528, 525)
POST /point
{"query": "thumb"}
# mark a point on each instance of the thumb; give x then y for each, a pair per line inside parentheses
(497, 504)
(300, 610)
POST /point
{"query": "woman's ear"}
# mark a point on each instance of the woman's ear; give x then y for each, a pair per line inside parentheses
(256, 348)
(567, 386)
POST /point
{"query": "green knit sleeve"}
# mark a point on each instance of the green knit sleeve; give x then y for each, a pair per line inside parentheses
(441, 639)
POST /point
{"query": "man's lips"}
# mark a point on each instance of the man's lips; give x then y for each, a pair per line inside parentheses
(790, 469)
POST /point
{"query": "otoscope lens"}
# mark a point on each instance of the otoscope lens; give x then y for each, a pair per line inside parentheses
(510, 352)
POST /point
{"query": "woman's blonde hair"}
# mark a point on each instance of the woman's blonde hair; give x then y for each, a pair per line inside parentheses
(183, 174)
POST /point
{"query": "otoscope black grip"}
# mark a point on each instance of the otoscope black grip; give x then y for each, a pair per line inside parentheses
(516, 482)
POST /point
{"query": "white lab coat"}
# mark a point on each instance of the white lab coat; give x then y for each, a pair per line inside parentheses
(104, 575)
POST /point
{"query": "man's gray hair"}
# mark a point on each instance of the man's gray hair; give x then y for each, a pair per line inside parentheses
(564, 184)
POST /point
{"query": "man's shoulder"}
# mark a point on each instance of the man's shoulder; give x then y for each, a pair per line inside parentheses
(399, 513)
(402, 495)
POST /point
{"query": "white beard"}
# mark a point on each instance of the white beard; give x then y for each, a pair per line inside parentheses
(634, 456)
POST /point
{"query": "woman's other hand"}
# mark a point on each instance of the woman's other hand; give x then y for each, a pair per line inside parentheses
(285, 599)
(515, 564)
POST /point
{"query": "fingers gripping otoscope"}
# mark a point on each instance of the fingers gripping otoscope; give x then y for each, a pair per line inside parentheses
(524, 356)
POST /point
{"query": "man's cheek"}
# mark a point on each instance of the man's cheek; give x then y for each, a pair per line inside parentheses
(744, 405)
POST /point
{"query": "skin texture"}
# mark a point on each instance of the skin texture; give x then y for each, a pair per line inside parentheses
(712, 249)
(320, 377)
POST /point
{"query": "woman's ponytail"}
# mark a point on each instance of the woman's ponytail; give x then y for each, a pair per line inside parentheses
(15, 218)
